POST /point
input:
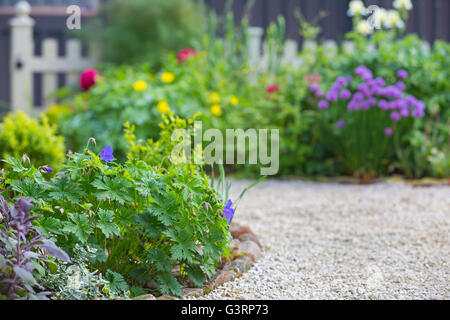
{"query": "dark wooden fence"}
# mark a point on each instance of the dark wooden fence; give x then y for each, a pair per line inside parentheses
(429, 19)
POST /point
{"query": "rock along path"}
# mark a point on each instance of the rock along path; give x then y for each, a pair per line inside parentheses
(334, 241)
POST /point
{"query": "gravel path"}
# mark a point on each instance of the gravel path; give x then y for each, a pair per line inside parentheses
(331, 241)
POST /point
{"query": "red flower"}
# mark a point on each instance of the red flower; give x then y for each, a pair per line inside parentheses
(87, 79)
(313, 78)
(273, 88)
(185, 54)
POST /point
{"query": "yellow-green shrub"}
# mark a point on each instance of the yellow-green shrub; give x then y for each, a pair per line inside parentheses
(21, 134)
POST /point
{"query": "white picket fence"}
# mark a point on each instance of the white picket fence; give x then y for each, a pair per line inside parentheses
(23, 62)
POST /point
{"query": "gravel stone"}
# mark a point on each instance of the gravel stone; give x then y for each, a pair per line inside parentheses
(334, 241)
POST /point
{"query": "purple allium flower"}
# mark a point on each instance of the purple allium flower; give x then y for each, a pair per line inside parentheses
(352, 105)
(380, 82)
(314, 87)
(359, 71)
(404, 112)
(340, 123)
(402, 74)
(400, 86)
(229, 211)
(323, 104)
(365, 105)
(358, 96)
(340, 81)
(395, 116)
(383, 104)
(364, 89)
(345, 94)
(47, 168)
(332, 95)
(372, 101)
(367, 75)
(388, 131)
(107, 154)
(402, 104)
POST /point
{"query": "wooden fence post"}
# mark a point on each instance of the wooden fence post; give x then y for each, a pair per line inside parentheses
(20, 59)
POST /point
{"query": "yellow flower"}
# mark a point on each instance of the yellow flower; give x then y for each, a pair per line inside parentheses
(213, 98)
(140, 85)
(163, 107)
(167, 77)
(216, 110)
(234, 100)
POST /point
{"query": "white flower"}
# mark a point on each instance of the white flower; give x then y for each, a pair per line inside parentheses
(402, 4)
(378, 18)
(356, 8)
(393, 20)
(363, 27)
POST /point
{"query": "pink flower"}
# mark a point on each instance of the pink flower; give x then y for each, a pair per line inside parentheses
(273, 88)
(388, 131)
(88, 79)
(185, 54)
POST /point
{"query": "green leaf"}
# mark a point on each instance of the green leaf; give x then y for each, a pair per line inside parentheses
(196, 274)
(114, 189)
(116, 281)
(79, 226)
(63, 189)
(168, 284)
(27, 188)
(106, 224)
(160, 259)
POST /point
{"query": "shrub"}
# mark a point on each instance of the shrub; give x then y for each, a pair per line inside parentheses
(20, 134)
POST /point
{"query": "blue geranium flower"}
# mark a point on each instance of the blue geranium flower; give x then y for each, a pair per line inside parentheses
(107, 154)
(229, 211)
(47, 168)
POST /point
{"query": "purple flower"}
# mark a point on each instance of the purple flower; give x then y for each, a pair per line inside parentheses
(388, 132)
(352, 105)
(400, 86)
(229, 211)
(358, 96)
(383, 104)
(365, 105)
(340, 81)
(402, 74)
(364, 89)
(340, 123)
(359, 71)
(47, 168)
(332, 95)
(107, 154)
(404, 112)
(314, 87)
(395, 116)
(323, 104)
(346, 94)
(380, 82)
